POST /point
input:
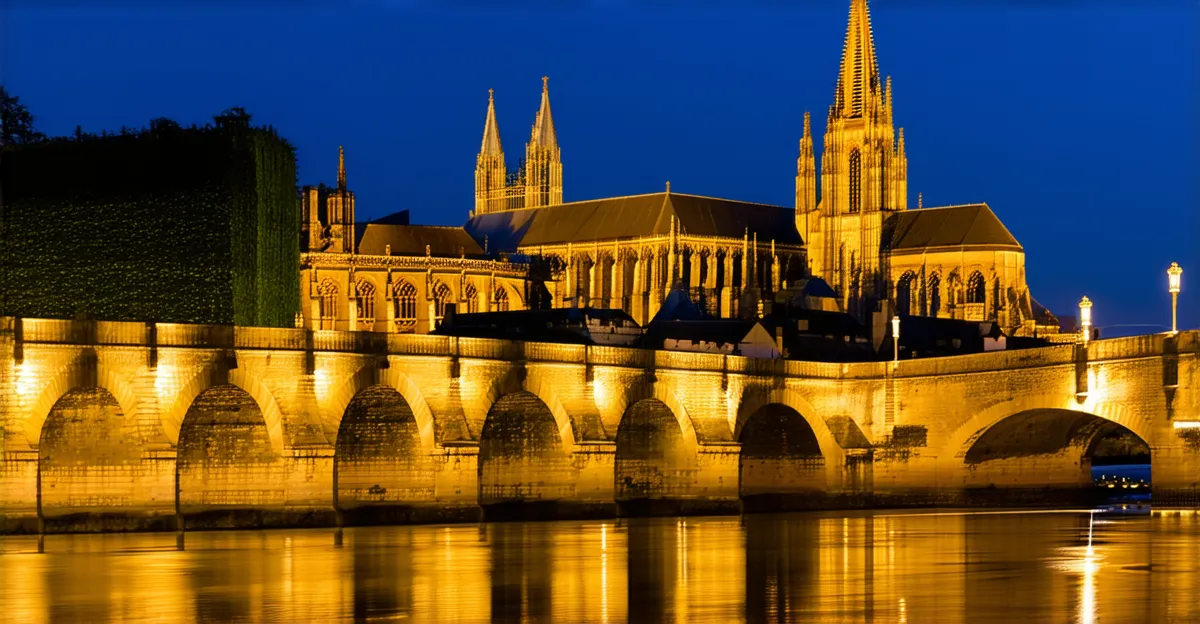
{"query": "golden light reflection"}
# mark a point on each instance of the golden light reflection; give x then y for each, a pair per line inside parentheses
(27, 380)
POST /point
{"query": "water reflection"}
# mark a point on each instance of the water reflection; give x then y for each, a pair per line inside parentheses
(917, 567)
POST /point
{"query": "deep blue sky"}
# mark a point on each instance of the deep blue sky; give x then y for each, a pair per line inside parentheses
(1076, 122)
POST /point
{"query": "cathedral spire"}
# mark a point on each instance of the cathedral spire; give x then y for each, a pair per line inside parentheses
(543, 125)
(858, 79)
(341, 168)
(543, 159)
(806, 173)
(491, 130)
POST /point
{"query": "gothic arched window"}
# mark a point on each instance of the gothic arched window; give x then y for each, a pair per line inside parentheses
(501, 299)
(855, 180)
(904, 293)
(976, 288)
(405, 301)
(935, 294)
(327, 292)
(441, 295)
(472, 297)
(365, 302)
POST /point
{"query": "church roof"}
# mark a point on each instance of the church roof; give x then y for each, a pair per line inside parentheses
(635, 216)
(950, 226)
(410, 240)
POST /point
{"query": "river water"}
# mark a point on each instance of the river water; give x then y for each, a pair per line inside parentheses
(819, 567)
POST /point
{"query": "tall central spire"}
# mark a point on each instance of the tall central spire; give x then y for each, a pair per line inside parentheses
(491, 131)
(543, 125)
(858, 79)
(341, 168)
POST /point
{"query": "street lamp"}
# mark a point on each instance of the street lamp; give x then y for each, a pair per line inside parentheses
(1174, 273)
(895, 339)
(1085, 317)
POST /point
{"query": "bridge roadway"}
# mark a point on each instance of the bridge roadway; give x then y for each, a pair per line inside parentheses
(114, 426)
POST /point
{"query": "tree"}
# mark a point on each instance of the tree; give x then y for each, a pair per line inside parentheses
(16, 122)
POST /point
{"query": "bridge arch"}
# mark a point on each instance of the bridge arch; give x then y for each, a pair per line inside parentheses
(755, 399)
(523, 452)
(380, 457)
(90, 458)
(225, 456)
(1038, 444)
(69, 377)
(965, 436)
(206, 378)
(655, 457)
(663, 393)
(370, 375)
(516, 381)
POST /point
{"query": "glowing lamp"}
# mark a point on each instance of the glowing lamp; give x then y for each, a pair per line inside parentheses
(1085, 317)
(1174, 275)
(895, 338)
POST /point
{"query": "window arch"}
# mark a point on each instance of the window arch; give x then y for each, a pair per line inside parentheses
(441, 296)
(472, 297)
(327, 293)
(366, 305)
(501, 298)
(404, 300)
(976, 288)
(855, 180)
(904, 293)
(935, 294)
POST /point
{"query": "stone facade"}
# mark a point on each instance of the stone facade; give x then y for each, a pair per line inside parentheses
(129, 425)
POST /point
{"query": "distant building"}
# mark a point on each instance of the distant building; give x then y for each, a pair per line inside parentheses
(590, 326)
(390, 276)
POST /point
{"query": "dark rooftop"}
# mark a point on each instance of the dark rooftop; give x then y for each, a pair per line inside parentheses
(634, 216)
(950, 226)
(410, 240)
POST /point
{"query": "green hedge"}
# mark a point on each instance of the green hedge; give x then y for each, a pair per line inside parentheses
(195, 225)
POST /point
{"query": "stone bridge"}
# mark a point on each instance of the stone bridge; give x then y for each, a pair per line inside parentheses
(111, 426)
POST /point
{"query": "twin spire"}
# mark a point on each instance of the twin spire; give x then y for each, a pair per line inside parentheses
(538, 181)
(543, 134)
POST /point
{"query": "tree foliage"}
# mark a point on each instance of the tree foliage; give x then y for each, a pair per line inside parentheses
(16, 122)
(170, 224)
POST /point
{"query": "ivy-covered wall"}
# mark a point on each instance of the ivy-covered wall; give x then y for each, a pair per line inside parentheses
(170, 224)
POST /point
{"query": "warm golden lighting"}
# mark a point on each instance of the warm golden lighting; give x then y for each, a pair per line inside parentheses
(1085, 317)
(1174, 275)
(895, 338)
(1187, 424)
(26, 379)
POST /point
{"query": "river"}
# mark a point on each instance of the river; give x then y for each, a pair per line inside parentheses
(917, 567)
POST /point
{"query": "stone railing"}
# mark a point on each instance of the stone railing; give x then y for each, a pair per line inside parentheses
(177, 335)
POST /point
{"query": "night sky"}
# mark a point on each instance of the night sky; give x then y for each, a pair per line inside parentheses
(1076, 124)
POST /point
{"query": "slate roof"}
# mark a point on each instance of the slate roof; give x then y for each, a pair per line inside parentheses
(719, 331)
(635, 216)
(410, 240)
(950, 226)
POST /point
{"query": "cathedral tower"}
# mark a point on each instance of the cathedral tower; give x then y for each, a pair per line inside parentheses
(543, 159)
(863, 175)
(490, 173)
(340, 211)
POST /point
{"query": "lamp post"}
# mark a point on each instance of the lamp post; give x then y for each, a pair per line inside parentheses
(1174, 273)
(1085, 317)
(895, 339)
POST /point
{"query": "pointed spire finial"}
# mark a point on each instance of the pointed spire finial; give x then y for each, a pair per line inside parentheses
(491, 130)
(858, 78)
(668, 187)
(920, 201)
(341, 168)
(543, 125)
(807, 124)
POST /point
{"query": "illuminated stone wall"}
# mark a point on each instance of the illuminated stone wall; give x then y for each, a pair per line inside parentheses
(296, 427)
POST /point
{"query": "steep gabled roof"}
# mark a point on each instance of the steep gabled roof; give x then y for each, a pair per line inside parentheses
(632, 217)
(950, 226)
(410, 240)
